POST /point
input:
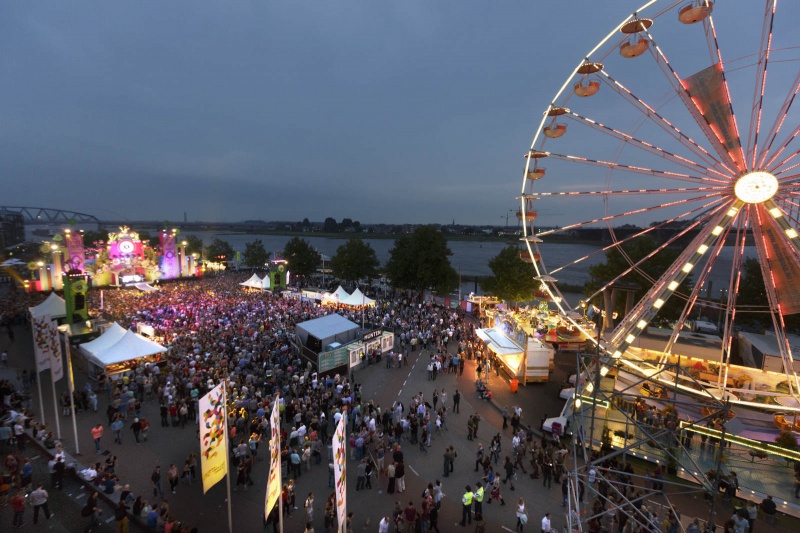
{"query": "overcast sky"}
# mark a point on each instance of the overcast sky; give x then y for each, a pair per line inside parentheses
(380, 111)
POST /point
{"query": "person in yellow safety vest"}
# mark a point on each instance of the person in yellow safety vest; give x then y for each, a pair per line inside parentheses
(466, 506)
(478, 498)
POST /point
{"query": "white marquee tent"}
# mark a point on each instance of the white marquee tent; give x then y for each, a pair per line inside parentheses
(357, 298)
(254, 282)
(54, 306)
(109, 338)
(128, 347)
(337, 296)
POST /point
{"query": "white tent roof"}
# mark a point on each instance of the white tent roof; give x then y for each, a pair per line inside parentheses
(357, 298)
(146, 287)
(254, 282)
(338, 295)
(54, 306)
(110, 337)
(130, 346)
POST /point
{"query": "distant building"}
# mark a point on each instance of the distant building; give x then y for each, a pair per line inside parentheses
(12, 229)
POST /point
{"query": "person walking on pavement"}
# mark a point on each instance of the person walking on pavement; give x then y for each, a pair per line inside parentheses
(546, 523)
(509, 468)
(479, 454)
(97, 433)
(18, 507)
(38, 499)
(456, 401)
(137, 429)
(172, 477)
(116, 427)
(90, 511)
(466, 506)
(522, 516)
(156, 479)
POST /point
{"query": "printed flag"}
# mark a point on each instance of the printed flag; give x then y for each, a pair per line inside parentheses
(213, 438)
(47, 347)
(340, 471)
(274, 480)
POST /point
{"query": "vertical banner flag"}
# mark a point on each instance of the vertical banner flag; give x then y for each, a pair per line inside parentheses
(169, 261)
(274, 480)
(213, 438)
(75, 253)
(47, 347)
(340, 471)
(41, 344)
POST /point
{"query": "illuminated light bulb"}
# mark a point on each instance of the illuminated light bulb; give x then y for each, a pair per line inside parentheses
(630, 338)
(603, 371)
(717, 230)
(687, 267)
(642, 324)
(703, 249)
(792, 234)
(673, 285)
(658, 303)
(775, 212)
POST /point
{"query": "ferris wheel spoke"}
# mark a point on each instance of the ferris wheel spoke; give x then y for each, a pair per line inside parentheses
(636, 169)
(733, 156)
(664, 288)
(648, 147)
(777, 270)
(695, 293)
(669, 242)
(765, 48)
(623, 192)
(623, 215)
(620, 242)
(778, 168)
(715, 165)
(778, 124)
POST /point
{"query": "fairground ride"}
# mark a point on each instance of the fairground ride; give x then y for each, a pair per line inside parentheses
(678, 130)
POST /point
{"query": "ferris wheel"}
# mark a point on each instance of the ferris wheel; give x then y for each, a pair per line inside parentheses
(678, 132)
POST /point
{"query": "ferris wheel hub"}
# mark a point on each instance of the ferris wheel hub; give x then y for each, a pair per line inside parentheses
(756, 187)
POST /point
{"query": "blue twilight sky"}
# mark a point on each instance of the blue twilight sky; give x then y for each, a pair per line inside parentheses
(381, 111)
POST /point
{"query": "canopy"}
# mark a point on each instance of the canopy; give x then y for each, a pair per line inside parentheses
(357, 298)
(130, 346)
(109, 338)
(254, 282)
(146, 287)
(54, 306)
(498, 342)
(339, 295)
(327, 329)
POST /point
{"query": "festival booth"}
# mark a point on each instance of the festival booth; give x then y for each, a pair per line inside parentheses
(357, 299)
(118, 351)
(521, 353)
(54, 305)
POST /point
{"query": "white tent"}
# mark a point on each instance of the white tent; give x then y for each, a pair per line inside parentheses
(129, 347)
(109, 338)
(337, 296)
(254, 282)
(145, 287)
(54, 306)
(357, 298)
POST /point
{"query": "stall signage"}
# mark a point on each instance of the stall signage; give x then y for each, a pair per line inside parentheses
(371, 335)
(333, 359)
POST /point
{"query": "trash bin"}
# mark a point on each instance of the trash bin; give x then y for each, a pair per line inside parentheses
(514, 385)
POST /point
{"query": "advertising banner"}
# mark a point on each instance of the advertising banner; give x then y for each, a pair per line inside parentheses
(169, 256)
(47, 347)
(213, 438)
(340, 471)
(75, 254)
(274, 479)
(781, 264)
(709, 94)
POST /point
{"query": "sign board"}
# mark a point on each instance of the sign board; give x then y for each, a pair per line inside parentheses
(330, 360)
(374, 334)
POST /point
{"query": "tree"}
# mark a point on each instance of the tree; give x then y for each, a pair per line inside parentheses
(346, 223)
(306, 224)
(145, 237)
(513, 278)
(194, 245)
(653, 268)
(330, 225)
(355, 260)
(303, 259)
(219, 250)
(419, 262)
(255, 255)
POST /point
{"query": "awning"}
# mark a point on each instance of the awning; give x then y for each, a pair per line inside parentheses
(498, 342)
